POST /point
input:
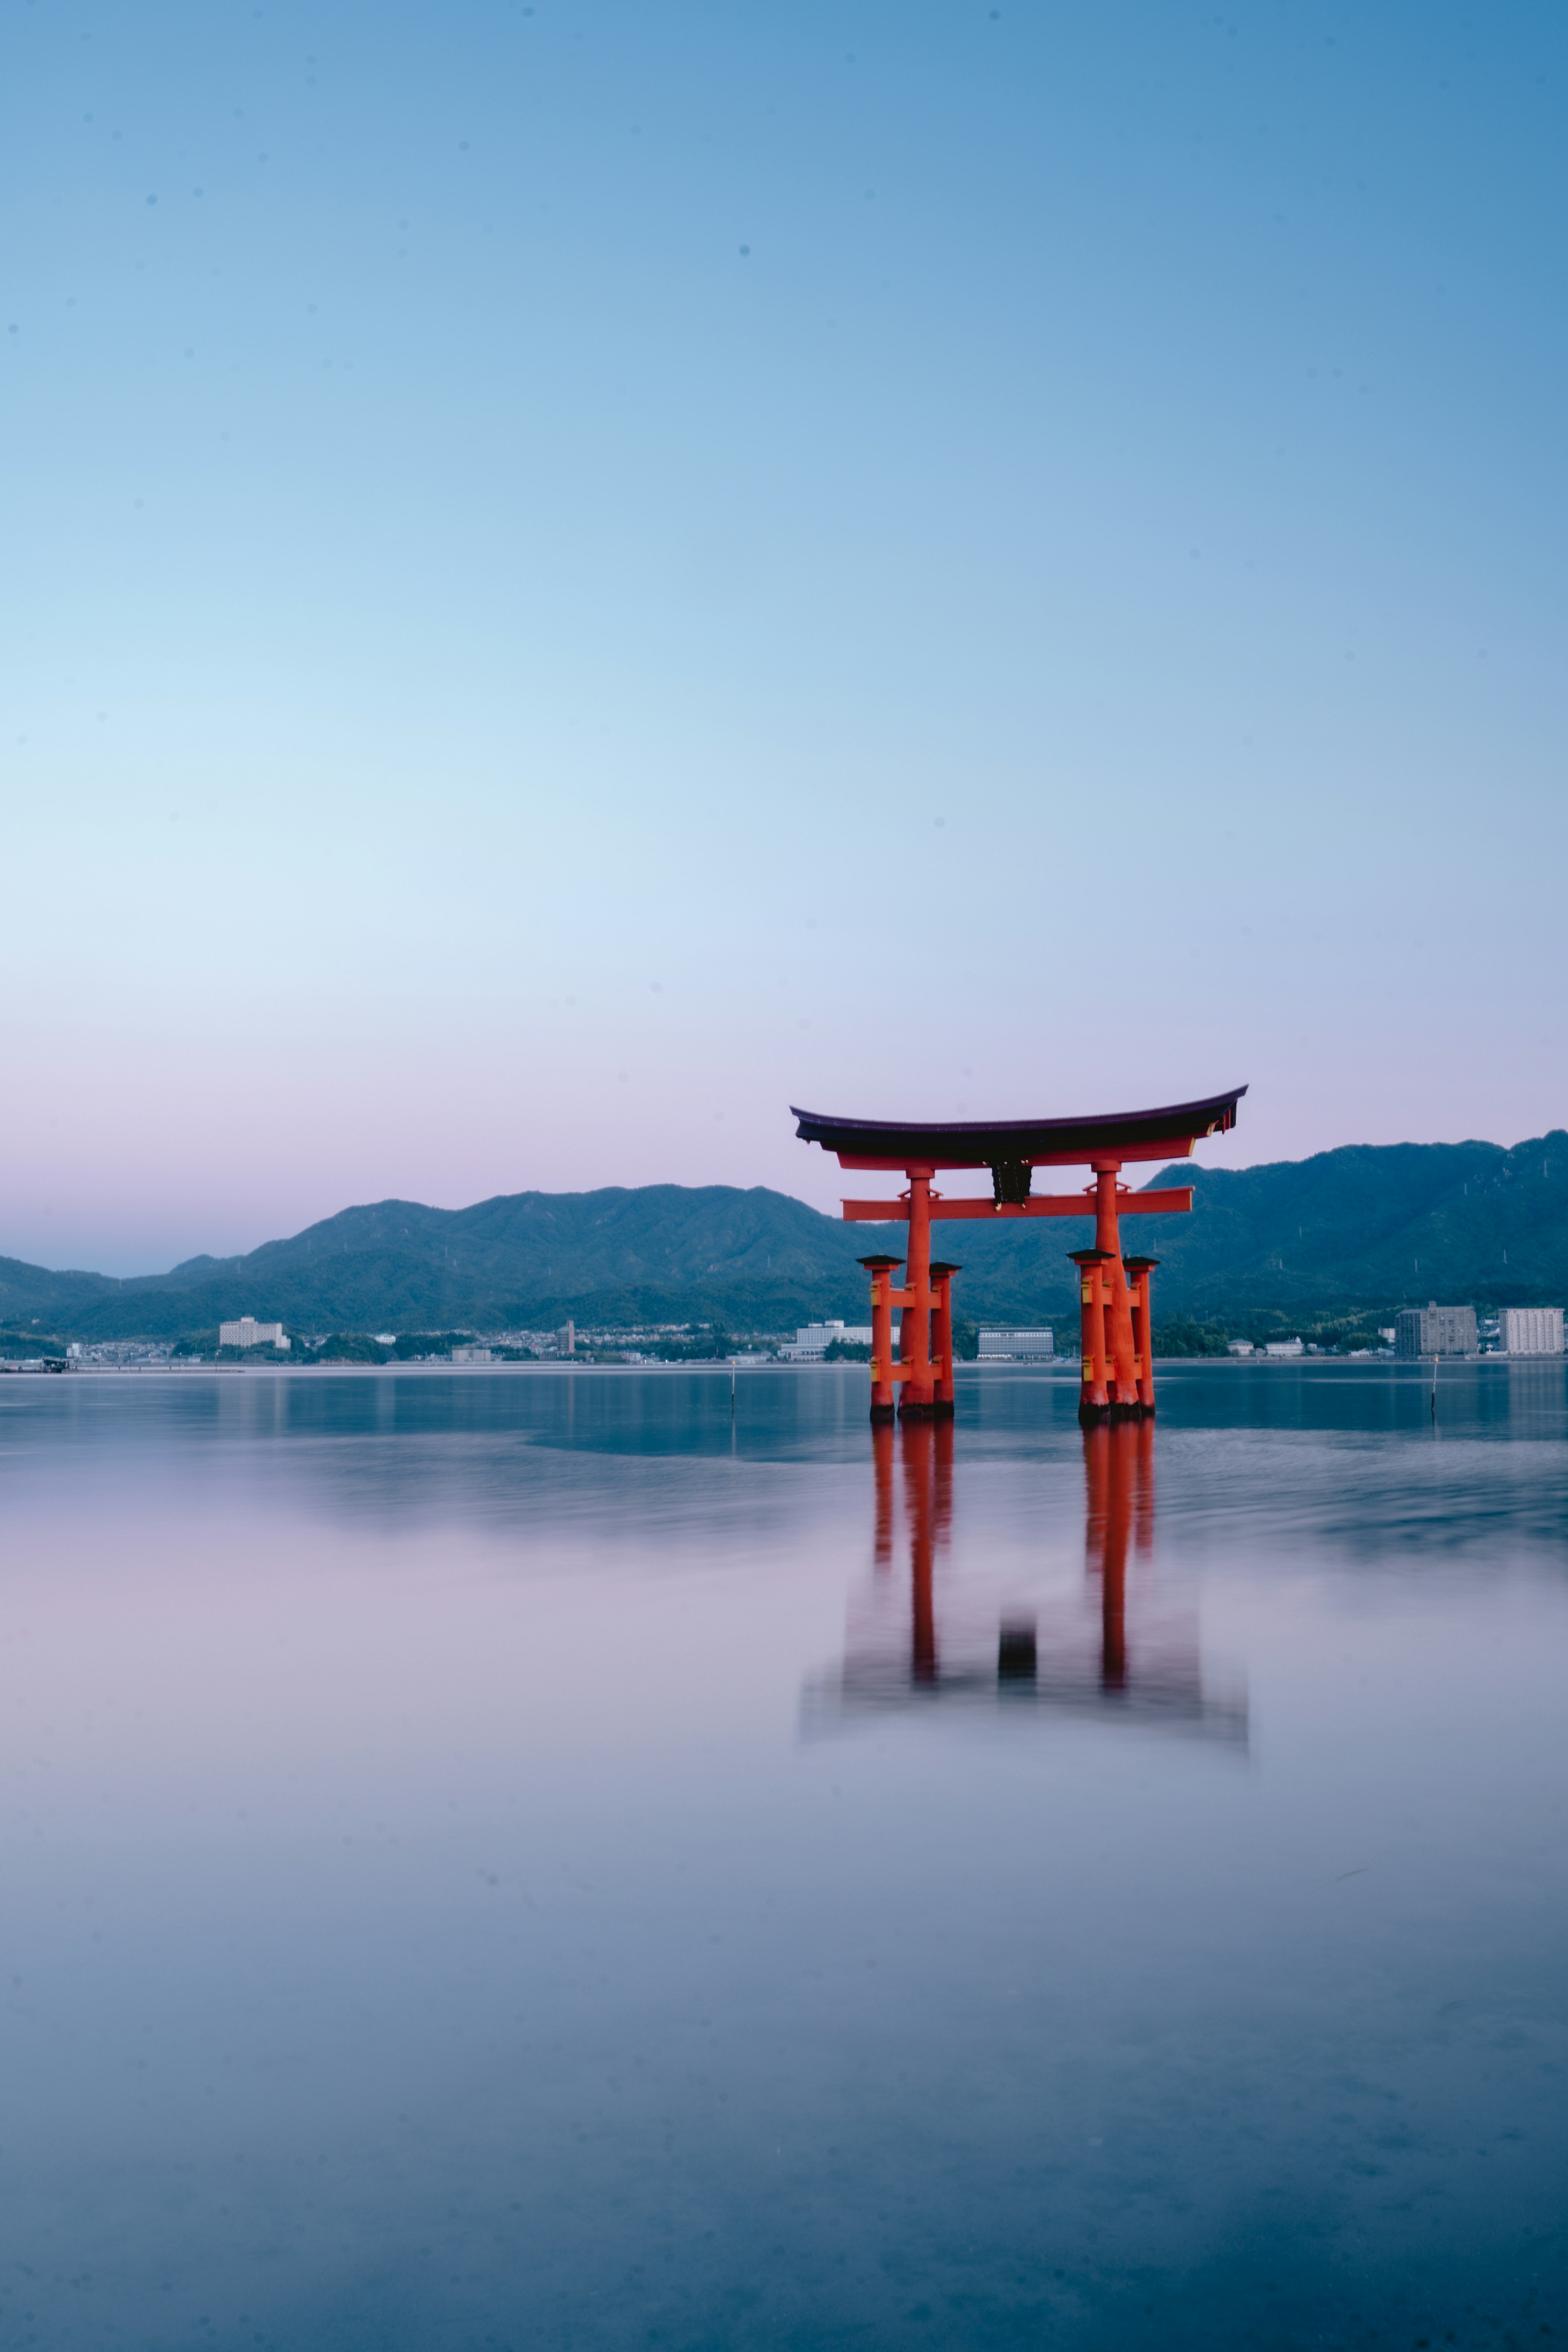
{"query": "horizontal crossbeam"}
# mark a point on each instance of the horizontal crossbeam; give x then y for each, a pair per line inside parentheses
(861, 1162)
(1177, 1200)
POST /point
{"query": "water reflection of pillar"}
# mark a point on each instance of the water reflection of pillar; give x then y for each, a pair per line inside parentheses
(882, 1458)
(919, 1500)
(942, 1482)
(1144, 1489)
(1119, 1468)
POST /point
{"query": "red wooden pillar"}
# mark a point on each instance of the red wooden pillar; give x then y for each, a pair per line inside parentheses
(914, 1333)
(1139, 1270)
(1108, 1240)
(1094, 1395)
(881, 1270)
(941, 1273)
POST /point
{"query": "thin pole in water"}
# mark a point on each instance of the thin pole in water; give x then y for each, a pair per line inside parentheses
(733, 1392)
(1434, 1385)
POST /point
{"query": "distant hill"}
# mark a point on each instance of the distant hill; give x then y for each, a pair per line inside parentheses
(664, 1252)
(1369, 1226)
(1374, 1225)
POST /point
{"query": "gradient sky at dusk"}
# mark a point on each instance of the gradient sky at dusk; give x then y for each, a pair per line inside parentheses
(576, 574)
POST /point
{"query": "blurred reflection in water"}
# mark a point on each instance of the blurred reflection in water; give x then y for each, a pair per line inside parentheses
(962, 1638)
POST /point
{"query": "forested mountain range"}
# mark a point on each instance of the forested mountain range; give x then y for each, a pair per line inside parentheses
(1362, 1228)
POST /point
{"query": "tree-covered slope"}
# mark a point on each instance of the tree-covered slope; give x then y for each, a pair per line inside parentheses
(1366, 1226)
(30, 1291)
(661, 1253)
(1374, 1224)
(662, 1233)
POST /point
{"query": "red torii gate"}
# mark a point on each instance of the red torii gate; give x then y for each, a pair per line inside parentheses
(1117, 1368)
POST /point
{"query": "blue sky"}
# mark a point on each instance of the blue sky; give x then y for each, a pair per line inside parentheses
(577, 574)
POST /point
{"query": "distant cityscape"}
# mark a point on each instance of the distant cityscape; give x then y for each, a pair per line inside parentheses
(1426, 1331)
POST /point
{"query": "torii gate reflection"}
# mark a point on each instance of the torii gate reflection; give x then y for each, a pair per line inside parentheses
(1141, 1662)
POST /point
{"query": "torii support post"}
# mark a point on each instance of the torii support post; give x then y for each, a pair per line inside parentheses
(1124, 1398)
(1094, 1395)
(881, 1270)
(942, 1273)
(914, 1331)
(1139, 1269)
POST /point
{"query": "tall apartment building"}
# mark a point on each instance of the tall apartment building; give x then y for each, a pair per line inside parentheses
(1434, 1331)
(1530, 1330)
(248, 1333)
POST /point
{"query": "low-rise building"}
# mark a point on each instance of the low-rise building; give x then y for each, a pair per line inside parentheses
(247, 1333)
(1434, 1331)
(1239, 1348)
(1530, 1330)
(1284, 1348)
(1009, 1347)
(473, 1356)
(812, 1341)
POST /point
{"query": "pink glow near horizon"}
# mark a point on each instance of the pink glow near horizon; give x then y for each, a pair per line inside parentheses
(909, 615)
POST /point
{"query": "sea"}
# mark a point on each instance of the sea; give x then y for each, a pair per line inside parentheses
(600, 1858)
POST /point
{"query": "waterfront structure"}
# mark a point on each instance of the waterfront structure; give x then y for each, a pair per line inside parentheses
(1283, 1348)
(1004, 1346)
(1238, 1347)
(812, 1341)
(472, 1356)
(1118, 1366)
(1434, 1331)
(247, 1333)
(1530, 1330)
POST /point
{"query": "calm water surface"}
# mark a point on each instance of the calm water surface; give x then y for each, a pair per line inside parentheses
(519, 1860)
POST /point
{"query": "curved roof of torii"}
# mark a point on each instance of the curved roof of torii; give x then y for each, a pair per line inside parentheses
(1167, 1133)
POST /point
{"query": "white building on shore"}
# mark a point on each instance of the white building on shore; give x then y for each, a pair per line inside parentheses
(812, 1341)
(1530, 1330)
(1016, 1347)
(247, 1333)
